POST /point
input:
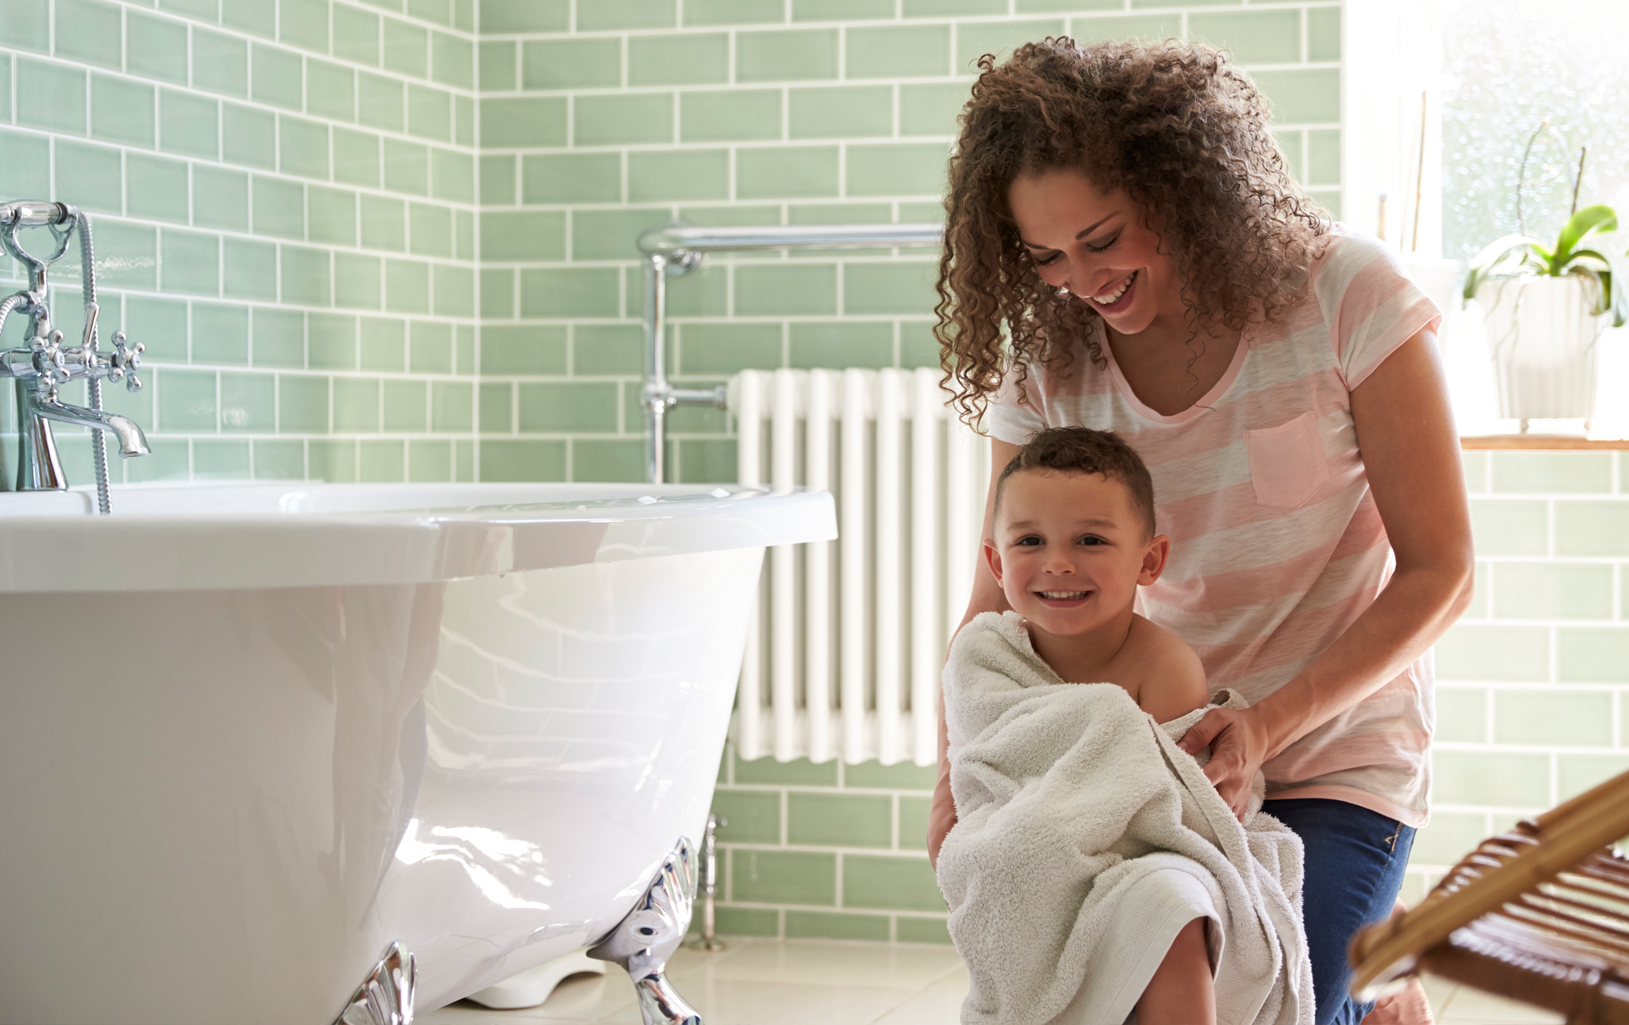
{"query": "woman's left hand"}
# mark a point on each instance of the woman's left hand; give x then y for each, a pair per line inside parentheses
(1238, 744)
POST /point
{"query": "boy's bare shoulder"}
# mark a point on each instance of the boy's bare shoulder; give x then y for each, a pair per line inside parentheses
(1171, 679)
(1158, 648)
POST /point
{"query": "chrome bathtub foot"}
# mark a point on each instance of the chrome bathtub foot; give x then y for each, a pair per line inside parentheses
(386, 995)
(653, 930)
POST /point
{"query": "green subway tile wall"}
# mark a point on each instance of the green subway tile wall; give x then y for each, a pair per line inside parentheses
(231, 155)
(1532, 702)
(826, 851)
(625, 115)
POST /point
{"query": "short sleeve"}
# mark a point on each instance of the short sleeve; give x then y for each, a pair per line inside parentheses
(1369, 304)
(1009, 419)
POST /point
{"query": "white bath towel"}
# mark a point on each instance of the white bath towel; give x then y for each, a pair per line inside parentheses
(1086, 839)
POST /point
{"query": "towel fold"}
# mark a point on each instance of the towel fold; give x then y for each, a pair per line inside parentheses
(1086, 839)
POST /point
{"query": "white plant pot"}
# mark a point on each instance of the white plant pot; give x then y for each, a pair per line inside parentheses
(1542, 338)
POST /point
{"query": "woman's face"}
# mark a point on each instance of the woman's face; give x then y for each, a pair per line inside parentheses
(1096, 245)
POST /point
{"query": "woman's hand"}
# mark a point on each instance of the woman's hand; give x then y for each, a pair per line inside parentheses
(1239, 743)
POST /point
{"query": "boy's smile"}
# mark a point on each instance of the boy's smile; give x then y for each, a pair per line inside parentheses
(1064, 599)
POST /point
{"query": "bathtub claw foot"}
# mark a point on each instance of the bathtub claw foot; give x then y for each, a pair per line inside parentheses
(386, 995)
(661, 1004)
(642, 942)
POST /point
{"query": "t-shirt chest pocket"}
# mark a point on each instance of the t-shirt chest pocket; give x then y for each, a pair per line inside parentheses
(1287, 462)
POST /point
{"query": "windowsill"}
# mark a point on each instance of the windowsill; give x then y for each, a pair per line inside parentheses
(1541, 442)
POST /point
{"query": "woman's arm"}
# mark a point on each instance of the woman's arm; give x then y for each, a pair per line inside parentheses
(986, 597)
(1411, 456)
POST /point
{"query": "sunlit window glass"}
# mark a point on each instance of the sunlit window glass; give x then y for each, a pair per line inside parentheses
(1511, 66)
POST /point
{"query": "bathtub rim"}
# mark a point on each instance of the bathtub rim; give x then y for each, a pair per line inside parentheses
(284, 538)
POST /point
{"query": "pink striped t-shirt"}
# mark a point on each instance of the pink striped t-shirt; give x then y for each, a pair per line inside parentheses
(1276, 545)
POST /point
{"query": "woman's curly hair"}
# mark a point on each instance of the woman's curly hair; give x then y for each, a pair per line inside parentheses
(1178, 127)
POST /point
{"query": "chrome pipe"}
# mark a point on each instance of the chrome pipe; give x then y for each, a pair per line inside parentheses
(678, 249)
(707, 889)
(39, 468)
(677, 238)
(714, 396)
(34, 214)
(655, 395)
(659, 396)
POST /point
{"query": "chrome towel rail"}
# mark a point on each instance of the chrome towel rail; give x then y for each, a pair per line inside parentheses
(678, 249)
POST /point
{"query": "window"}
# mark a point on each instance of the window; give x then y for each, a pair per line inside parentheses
(1510, 65)
(1487, 74)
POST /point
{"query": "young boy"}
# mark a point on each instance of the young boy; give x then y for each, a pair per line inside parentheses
(1073, 538)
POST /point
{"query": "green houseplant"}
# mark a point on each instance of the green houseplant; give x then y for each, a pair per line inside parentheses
(1546, 306)
(1516, 255)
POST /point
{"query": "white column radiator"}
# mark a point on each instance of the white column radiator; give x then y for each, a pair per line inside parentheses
(844, 654)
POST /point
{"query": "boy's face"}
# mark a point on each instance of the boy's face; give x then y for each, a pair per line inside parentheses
(1070, 549)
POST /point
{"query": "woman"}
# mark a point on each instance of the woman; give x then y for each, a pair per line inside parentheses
(1125, 250)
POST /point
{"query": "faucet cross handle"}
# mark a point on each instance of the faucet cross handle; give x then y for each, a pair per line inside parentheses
(125, 361)
(50, 362)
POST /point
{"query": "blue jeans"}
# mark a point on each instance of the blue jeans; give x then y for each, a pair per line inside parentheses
(1354, 868)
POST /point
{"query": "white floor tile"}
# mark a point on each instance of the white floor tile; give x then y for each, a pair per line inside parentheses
(830, 982)
(719, 1001)
(688, 959)
(461, 1013)
(763, 982)
(938, 1004)
(748, 1002)
(829, 963)
(1467, 1006)
(1438, 991)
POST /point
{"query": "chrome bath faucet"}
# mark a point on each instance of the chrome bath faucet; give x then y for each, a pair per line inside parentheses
(45, 364)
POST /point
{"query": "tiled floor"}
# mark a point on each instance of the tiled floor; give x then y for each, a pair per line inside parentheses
(820, 982)
(1459, 1005)
(765, 982)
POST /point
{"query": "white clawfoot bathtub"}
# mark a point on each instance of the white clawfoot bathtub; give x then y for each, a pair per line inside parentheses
(251, 736)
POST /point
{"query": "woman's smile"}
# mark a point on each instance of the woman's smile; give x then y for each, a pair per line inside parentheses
(1118, 296)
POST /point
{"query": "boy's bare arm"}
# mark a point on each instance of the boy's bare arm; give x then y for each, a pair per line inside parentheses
(1173, 679)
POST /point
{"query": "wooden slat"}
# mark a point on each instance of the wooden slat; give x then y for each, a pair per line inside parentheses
(1492, 884)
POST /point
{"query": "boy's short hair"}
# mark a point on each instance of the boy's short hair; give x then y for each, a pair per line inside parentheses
(1083, 450)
